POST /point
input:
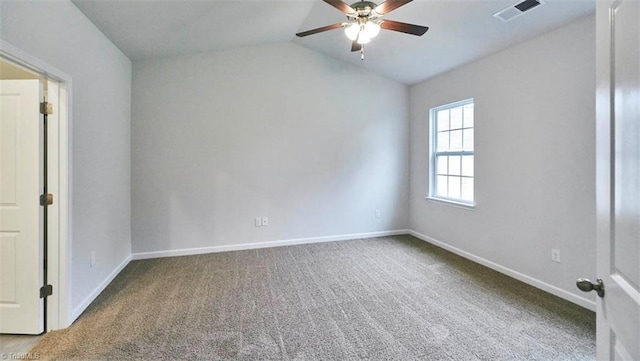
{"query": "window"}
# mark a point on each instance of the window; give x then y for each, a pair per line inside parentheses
(452, 153)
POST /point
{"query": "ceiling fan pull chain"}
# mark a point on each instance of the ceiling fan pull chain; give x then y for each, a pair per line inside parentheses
(362, 52)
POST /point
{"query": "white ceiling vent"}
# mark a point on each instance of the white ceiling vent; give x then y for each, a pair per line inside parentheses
(517, 9)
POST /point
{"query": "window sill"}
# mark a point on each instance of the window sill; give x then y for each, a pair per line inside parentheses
(467, 206)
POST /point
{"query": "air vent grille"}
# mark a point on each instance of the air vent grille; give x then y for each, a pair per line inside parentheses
(516, 10)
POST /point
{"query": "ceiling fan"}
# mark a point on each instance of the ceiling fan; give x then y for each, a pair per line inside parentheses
(364, 21)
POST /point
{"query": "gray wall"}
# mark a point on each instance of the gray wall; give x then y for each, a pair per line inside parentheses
(535, 158)
(60, 35)
(313, 143)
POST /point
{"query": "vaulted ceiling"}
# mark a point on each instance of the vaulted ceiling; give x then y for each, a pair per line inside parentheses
(460, 30)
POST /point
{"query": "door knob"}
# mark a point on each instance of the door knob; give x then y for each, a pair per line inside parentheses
(588, 286)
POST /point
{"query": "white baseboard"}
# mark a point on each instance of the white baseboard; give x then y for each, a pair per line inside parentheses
(92, 296)
(588, 304)
(244, 246)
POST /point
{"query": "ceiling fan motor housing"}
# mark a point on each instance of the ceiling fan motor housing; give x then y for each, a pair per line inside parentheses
(364, 8)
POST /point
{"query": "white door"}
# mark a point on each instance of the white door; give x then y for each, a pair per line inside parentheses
(21, 308)
(618, 178)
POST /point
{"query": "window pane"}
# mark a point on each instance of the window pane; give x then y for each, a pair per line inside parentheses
(468, 139)
(441, 186)
(443, 141)
(467, 166)
(467, 189)
(468, 116)
(442, 165)
(454, 165)
(456, 140)
(456, 118)
(443, 120)
(454, 187)
(452, 162)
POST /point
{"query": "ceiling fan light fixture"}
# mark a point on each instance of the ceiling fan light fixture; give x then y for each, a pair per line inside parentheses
(371, 29)
(352, 31)
(363, 38)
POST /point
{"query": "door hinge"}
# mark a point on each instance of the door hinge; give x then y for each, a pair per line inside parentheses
(46, 108)
(46, 291)
(46, 199)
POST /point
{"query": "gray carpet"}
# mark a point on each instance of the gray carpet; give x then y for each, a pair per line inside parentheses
(391, 298)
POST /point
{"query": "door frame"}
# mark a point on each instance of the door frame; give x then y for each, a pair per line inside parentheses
(59, 313)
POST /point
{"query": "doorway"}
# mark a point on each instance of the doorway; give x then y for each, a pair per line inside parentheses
(51, 311)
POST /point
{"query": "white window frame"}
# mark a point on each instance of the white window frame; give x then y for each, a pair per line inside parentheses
(433, 133)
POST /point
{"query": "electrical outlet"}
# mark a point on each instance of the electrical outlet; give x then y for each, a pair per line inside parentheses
(378, 213)
(555, 255)
(92, 261)
(265, 221)
(258, 221)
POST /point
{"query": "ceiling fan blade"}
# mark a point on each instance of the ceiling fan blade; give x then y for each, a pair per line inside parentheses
(319, 30)
(355, 46)
(390, 5)
(404, 27)
(340, 5)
